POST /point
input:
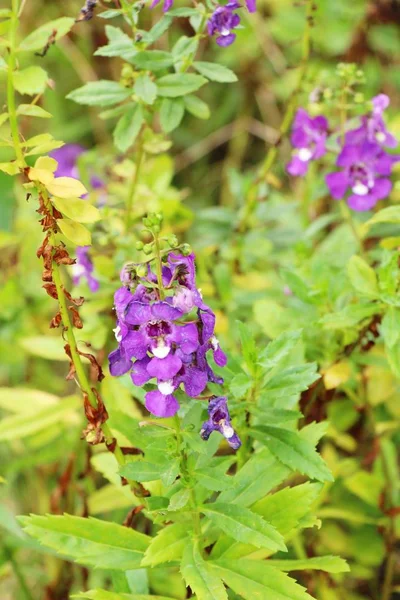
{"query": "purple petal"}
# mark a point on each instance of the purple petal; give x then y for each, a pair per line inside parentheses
(220, 357)
(194, 381)
(337, 183)
(139, 374)
(187, 337)
(348, 156)
(362, 203)
(226, 40)
(207, 318)
(380, 103)
(160, 405)
(251, 5)
(382, 188)
(163, 311)
(135, 344)
(167, 5)
(297, 167)
(164, 368)
(137, 313)
(119, 364)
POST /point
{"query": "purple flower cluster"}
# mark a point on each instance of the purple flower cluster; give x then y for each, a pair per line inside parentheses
(365, 166)
(165, 340)
(224, 19)
(309, 139)
(83, 268)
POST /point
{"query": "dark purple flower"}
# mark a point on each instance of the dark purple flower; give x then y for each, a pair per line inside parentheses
(166, 6)
(365, 171)
(223, 20)
(309, 138)
(373, 128)
(83, 268)
(219, 420)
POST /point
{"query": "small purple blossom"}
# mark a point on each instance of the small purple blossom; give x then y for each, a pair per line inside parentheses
(373, 128)
(83, 268)
(309, 140)
(165, 341)
(365, 171)
(224, 20)
(219, 420)
(166, 6)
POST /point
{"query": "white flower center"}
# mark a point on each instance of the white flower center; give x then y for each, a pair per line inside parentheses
(78, 270)
(304, 154)
(161, 350)
(227, 431)
(117, 332)
(225, 31)
(214, 343)
(360, 188)
(166, 387)
(380, 137)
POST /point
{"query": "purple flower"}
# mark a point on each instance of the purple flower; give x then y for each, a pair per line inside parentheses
(309, 138)
(373, 128)
(365, 170)
(83, 268)
(157, 338)
(219, 420)
(67, 157)
(166, 6)
(223, 20)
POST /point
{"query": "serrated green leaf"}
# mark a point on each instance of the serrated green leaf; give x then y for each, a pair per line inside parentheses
(100, 93)
(89, 541)
(329, 564)
(240, 385)
(248, 344)
(39, 38)
(243, 525)
(279, 348)
(105, 595)
(199, 576)
(154, 60)
(171, 113)
(256, 579)
(197, 107)
(390, 214)
(292, 451)
(145, 88)
(212, 479)
(215, 72)
(167, 546)
(179, 84)
(290, 382)
(142, 470)
(362, 277)
(159, 28)
(31, 110)
(75, 232)
(77, 209)
(31, 80)
(179, 499)
(128, 127)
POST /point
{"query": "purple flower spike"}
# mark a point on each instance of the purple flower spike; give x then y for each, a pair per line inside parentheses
(158, 341)
(219, 420)
(223, 20)
(373, 128)
(83, 268)
(365, 171)
(309, 139)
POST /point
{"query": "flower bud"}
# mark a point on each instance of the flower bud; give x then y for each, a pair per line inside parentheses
(156, 228)
(148, 248)
(186, 249)
(139, 245)
(141, 270)
(146, 221)
(172, 241)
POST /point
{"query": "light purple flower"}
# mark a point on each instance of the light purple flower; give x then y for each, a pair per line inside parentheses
(219, 420)
(309, 139)
(365, 171)
(67, 157)
(83, 268)
(224, 20)
(166, 6)
(373, 128)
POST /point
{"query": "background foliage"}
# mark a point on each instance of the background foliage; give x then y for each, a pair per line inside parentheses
(308, 324)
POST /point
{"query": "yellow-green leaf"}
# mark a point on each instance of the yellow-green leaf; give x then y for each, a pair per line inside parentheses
(75, 232)
(31, 110)
(77, 209)
(66, 187)
(31, 80)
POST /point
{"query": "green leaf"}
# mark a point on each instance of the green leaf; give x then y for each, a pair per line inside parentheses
(100, 93)
(77, 209)
(390, 326)
(197, 107)
(215, 72)
(184, 12)
(167, 546)
(66, 187)
(23, 425)
(159, 28)
(253, 579)
(104, 595)
(179, 499)
(292, 451)
(391, 214)
(145, 88)
(290, 382)
(31, 80)
(279, 348)
(25, 400)
(179, 84)
(212, 479)
(89, 541)
(31, 110)
(120, 44)
(362, 277)
(75, 232)
(240, 385)
(154, 60)
(249, 349)
(39, 38)
(329, 564)
(171, 113)
(142, 470)
(243, 525)
(45, 346)
(128, 127)
(200, 577)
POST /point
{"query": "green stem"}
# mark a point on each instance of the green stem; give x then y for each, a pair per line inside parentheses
(133, 186)
(12, 112)
(346, 213)
(76, 359)
(159, 266)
